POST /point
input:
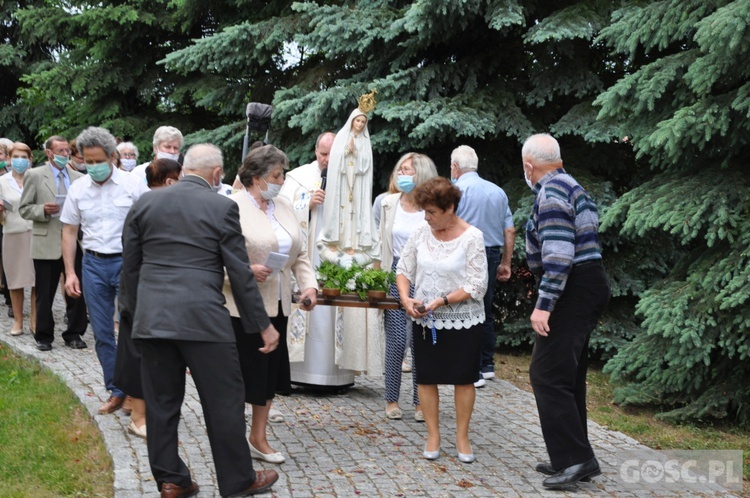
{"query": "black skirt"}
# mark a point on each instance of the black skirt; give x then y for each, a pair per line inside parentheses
(264, 374)
(453, 359)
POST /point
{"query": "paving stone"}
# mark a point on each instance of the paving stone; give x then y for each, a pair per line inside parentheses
(341, 445)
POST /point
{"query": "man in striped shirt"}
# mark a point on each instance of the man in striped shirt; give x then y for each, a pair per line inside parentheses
(562, 250)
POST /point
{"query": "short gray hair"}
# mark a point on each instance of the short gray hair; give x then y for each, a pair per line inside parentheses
(167, 134)
(202, 157)
(127, 145)
(259, 162)
(465, 157)
(94, 136)
(542, 148)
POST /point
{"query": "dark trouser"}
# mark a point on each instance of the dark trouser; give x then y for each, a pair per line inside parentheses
(487, 356)
(215, 369)
(47, 278)
(559, 363)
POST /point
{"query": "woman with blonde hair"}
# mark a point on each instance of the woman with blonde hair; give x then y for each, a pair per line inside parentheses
(17, 261)
(400, 217)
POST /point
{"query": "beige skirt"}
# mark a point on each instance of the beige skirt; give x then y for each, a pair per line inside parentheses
(17, 262)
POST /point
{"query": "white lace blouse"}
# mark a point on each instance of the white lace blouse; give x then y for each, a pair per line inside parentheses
(436, 268)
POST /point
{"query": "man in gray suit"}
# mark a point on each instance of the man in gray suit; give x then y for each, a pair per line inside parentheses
(44, 190)
(176, 243)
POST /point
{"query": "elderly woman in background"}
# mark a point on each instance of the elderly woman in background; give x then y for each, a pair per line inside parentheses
(399, 219)
(128, 155)
(276, 245)
(377, 204)
(5, 145)
(160, 173)
(19, 267)
(446, 262)
(76, 156)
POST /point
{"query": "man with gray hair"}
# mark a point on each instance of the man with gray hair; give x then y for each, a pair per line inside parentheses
(177, 243)
(98, 204)
(485, 205)
(167, 143)
(563, 252)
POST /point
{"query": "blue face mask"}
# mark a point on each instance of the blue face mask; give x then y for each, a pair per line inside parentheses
(99, 172)
(405, 183)
(454, 180)
(20, 164)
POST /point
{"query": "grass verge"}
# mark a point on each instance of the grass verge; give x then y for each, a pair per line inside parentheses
(640, 423)
(49, 446)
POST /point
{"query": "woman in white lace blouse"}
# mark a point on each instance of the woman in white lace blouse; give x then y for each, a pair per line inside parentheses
(446, 262)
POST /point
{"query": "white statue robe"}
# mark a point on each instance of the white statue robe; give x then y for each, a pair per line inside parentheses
(329, 343)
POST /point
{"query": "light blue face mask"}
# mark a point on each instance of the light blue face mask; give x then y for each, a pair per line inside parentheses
(99, 172)
(272, 191)
(405, 183)
(20, 164)
(61, 161)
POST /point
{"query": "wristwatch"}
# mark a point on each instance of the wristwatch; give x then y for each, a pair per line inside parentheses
(445, 300)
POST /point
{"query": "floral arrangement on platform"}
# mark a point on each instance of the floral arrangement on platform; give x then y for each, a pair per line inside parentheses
(354, 279)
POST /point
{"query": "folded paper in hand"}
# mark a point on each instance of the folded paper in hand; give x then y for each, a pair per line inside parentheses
(276, 260)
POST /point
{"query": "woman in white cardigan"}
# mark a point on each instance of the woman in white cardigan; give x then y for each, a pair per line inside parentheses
(399, 218)
(276, 249)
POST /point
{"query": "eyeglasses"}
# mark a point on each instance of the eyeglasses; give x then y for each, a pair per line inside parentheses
(128, 155)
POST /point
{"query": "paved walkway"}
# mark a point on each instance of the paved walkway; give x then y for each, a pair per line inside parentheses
(342, 446)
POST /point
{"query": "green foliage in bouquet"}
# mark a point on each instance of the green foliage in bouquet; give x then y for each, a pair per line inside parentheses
(373, 279)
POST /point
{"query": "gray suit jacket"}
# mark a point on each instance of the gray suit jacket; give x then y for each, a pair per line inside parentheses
(39, 187)
(176, 243)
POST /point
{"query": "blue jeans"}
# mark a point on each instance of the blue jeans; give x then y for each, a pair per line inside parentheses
(487, 356)
(101, 284)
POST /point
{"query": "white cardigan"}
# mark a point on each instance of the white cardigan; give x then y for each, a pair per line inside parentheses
(260, 240)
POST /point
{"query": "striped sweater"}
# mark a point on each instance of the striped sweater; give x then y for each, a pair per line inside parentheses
(563, 231)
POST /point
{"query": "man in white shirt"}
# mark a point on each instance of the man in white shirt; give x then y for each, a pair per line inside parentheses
(167, 143)
(99, 203)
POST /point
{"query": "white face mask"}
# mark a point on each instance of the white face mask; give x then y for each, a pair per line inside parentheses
(273, 190)
(217, 187)
(128, 164)
(528, 180)
(167, 155)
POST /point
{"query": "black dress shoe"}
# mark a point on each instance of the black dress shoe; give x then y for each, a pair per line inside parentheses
(76, 344)
(548, 470)
(43, 346)
(10, 313)
(573, 474)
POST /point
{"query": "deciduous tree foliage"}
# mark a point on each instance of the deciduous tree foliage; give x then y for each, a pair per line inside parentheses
(686, 107)
(101, 67)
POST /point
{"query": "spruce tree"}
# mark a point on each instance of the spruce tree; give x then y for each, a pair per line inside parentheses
(685, 107)
(482, 73)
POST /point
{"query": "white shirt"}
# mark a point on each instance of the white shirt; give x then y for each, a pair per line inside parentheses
(100, 210)
(140, 171)
(404, 224)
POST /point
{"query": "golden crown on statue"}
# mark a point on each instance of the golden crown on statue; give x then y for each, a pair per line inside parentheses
(367, 101)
